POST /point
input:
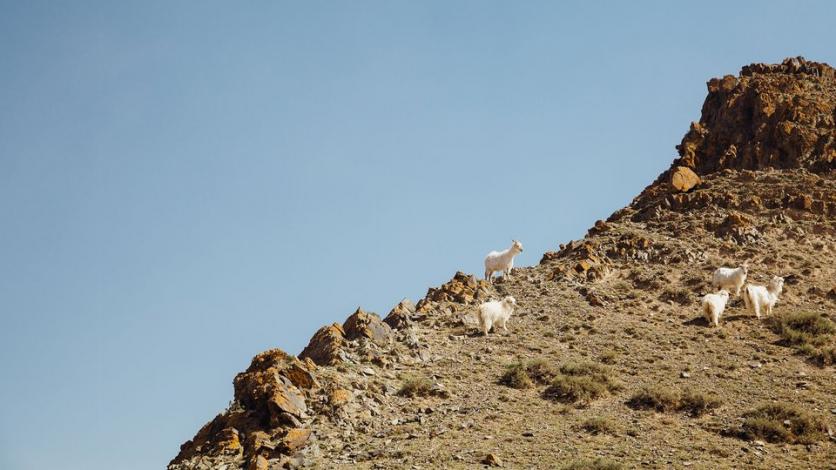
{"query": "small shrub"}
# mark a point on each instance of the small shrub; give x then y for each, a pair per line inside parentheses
(540, 371)
(697, 403)
(597, 464)
(599, 425)
(779, 423)
(515, 376)
(659, 399)
(416, 387)
(523, 375)
(581, 382)
(668, 400)
(810, 333)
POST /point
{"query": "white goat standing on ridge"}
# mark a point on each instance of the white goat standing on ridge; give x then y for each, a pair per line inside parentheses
(496, 312)
(713, 306)
(731, 278)
(502, 260)
(757, 297)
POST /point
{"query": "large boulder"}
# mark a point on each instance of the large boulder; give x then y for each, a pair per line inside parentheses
(683, 179)
(362, 324)
(325, 348)
(401, 316)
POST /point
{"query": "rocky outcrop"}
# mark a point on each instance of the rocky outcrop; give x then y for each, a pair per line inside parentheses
(362, 324)
(462, 289)
(264, 426)
(326, 346)
(770, 116)
(401, 316)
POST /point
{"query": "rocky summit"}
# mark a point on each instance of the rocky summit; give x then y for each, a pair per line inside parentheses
(609, 362)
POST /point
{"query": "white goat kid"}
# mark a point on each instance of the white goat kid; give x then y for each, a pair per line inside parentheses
(731, 278)
(496, 313)
(713, 306)
(760, 297)
(502, 261)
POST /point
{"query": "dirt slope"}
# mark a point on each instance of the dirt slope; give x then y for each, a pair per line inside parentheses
(602, 319)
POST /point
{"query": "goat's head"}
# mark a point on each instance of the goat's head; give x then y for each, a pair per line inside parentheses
(723, 293)
(517, 245)
(509, 300)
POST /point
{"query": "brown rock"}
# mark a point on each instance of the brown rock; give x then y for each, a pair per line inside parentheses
(683, 179)
(339, 397)
(325, 346)
(294, 439)
(259, 462)
(492, 460)
(268, 394)
(400, 316)
(363, 324)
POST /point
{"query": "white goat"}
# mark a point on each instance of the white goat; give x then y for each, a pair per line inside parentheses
(502, 260)
(496, 312)
(731, 278)
(758, 297)
(713, 306)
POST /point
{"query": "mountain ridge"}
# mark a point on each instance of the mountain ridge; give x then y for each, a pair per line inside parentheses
(754, 180)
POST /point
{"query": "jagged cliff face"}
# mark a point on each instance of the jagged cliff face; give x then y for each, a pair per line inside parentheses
(754, 182)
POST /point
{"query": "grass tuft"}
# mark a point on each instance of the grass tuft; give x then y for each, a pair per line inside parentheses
(581, 382)
(810, 333)
(781, 423)
(416, 387)
(667, 400)
(598, 464)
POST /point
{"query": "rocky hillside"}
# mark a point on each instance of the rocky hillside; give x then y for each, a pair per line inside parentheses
(608, 362)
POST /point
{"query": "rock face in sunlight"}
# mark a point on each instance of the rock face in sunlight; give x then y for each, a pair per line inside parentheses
(608, 360)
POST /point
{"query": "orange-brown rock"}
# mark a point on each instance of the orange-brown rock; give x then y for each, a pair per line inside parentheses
(401, 316)
(326, 345)
(339, 397)
(463, 289)
(362, 324)
(294, 439)
(779, 116)
(683, 179)
(258, 462)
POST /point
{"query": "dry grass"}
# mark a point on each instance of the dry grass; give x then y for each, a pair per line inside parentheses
(416, 387)
(781, 423)
(667, 400)
(599, 425)
(522, 375)
(810, 333)
(581, 382)
(677, 294)
(597, 464)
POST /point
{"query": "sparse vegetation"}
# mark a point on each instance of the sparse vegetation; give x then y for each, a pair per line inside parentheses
(608, 357)
(599, 425)
(781, 423)
(678, 295)
(667, 400)
(597, 464)
(581, 382)
(416, 387)
(523, 375)
(809, 332)
(515, 376)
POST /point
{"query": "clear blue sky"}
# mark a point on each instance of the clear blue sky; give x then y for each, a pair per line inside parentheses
(185, 184)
